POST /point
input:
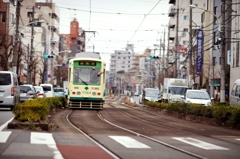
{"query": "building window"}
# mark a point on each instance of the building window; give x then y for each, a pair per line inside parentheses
(220, 60)
(237, 55)
(214, 61)
(214, 38)
(123, 66)
(3, 16)
(185, 42)
(128, 61)
(12, 18)
(215, 12)
(123, 62)
(185, 29)
(129, 57)
(185, 17)
(203, 17)
(128, 66)
(124, 57)
(119, 57)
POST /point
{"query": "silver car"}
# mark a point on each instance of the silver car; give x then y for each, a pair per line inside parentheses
(27, 91)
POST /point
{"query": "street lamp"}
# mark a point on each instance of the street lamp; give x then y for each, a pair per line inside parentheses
(219, 24)
(35, 21)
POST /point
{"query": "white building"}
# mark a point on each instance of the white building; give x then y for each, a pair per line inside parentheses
(122, 60)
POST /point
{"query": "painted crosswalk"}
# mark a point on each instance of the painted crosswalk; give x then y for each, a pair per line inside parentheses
(199, 143)
(4, 135)
(129, 142)
(47, 139)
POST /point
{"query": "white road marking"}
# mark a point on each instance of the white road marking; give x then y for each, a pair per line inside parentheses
(41, 138)
(200, 144)
(129, 142)
(238, 139)
(46, 138)
(4, 135)
(5, 124)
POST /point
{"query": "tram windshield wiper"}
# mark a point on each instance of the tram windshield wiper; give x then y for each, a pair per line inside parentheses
(83, 81)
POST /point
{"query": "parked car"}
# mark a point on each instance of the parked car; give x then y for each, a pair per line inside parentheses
(59, 92)
(235, 94)
(27, 91)
(48, 89)
(9, 89)
(150, 94)
(197, 97)
(40, 92)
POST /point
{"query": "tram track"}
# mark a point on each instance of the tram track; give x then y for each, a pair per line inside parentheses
(150, 138)
(160, 124)
(90, 138)
(111, 118)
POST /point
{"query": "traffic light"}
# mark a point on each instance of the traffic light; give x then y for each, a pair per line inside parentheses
(48, 56)
(154, 57)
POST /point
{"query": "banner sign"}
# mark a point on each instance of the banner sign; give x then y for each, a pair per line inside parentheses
(199, 61)
(229, 57)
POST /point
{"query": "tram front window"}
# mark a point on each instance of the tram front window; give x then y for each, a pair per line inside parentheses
(86, 76)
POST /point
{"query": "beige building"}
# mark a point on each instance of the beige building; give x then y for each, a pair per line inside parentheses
(45, 38)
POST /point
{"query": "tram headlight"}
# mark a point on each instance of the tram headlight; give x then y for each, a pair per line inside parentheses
(78, 92)
(94, 93)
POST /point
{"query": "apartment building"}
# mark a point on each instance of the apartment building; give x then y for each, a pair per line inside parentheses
(235, 44)
(43, 40)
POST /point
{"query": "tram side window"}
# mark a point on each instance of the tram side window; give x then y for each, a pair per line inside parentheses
(104, 76)
(234, 89)
(237, 91)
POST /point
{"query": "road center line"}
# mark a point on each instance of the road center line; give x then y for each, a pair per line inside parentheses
(129, 142)
(200, 144)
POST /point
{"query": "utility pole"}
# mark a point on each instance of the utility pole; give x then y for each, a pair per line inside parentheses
(32, 49)
(190, 70)
(163, 63)
(176, 42)
(177, 71)
(15, 52)
(222, 84)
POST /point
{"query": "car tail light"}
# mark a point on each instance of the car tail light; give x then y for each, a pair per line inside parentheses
(40, 94)
(31, 94)
(12, 91)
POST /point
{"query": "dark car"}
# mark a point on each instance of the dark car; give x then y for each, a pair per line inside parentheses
(27, 91)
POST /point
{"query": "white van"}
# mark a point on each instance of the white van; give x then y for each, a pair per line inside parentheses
(9, 89)
(48, 89)
(235, 94)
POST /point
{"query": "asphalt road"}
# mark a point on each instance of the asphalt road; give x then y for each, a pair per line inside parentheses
(174, 138)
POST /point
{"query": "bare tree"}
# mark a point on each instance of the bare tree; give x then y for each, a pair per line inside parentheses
(6, 50)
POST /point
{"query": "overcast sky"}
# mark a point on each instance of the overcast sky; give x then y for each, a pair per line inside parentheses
(116, 22)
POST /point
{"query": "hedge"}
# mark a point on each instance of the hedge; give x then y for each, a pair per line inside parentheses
(221, 111)
(37, 109)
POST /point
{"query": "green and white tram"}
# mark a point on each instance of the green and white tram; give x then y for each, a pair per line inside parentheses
(86, 83)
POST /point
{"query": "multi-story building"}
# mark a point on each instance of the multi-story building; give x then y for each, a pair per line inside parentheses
(178, 44)
(235, 44)
(43, 18)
